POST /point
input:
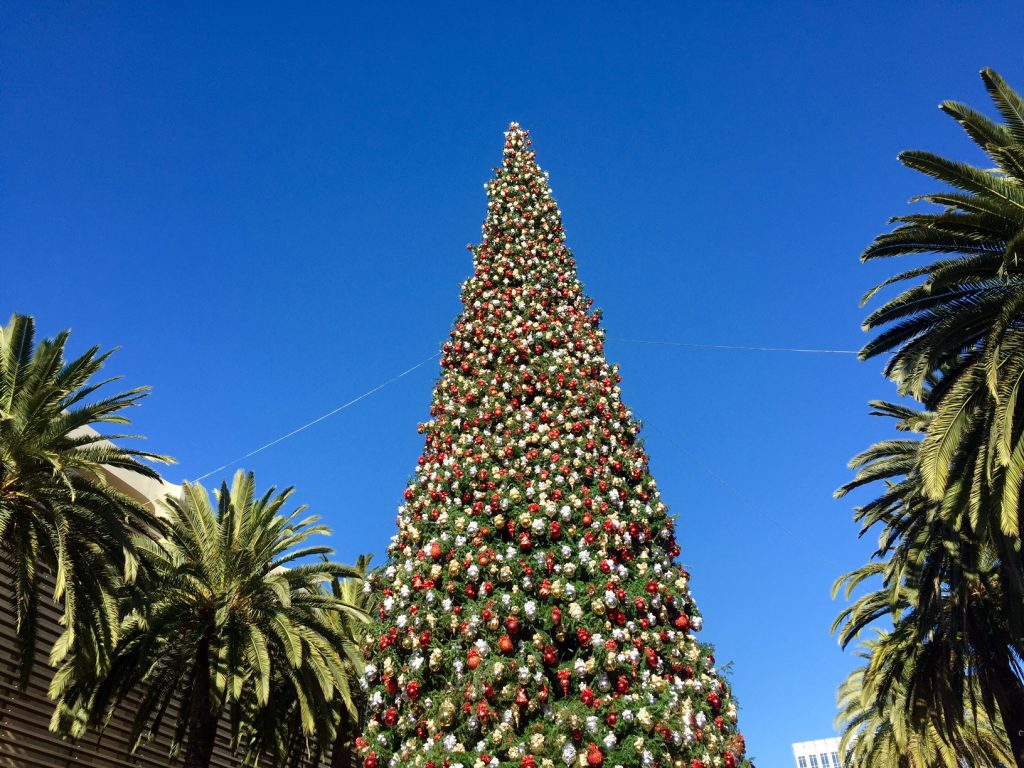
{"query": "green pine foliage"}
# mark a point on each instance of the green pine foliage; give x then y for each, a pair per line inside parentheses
(532, 614)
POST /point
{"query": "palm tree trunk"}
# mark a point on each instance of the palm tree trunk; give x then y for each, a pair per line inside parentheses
(1009, 695)
(1006, 687)
(343, 753)
(202, 725)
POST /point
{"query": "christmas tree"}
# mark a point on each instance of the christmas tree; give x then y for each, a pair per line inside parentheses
(532, 614)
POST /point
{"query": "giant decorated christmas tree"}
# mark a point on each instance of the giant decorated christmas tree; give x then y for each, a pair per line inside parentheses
(532, 614)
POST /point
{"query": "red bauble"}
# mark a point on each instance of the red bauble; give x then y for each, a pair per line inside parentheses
(563, 680)
(594, 756)
(505, 644)
(729, 759)
(512, 625)
(435, 550)
(412, 690)
(370, 761)
(473, 658)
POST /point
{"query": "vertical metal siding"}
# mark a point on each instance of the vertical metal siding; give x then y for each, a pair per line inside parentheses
(25, 738)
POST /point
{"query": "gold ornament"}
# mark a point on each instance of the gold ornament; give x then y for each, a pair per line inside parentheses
(447, 713)
(515, 496)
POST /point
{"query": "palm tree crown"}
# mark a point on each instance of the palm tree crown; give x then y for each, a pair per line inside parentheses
(961, 319)
(220, 623)
(58, 514)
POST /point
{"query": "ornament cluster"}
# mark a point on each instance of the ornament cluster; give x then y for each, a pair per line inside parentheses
(532, 614)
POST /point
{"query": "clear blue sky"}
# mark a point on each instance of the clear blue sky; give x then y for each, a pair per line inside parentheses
(267, 209)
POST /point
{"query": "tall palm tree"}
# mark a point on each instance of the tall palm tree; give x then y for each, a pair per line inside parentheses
(941, 588)
(359, 594)
(219, 624)
(276, 731)
(960, 321)
(879, 733)
(59, 515)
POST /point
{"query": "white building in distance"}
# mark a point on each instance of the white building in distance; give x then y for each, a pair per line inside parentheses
(821, 753)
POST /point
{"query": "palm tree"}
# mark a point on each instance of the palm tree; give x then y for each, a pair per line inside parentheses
(941, 588)
(59, 516)
(276, 730)
(955, 334)
(877, 732)
(359, 594)
(221, 625)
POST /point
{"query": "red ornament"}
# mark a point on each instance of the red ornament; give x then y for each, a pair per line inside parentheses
(370, 761)
(563, 680)
(505, 644)
(594, 756)
(473, 658)
(435, 550)
(412, 690)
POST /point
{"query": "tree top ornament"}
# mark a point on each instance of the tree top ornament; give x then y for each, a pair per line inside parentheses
(532, 612)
